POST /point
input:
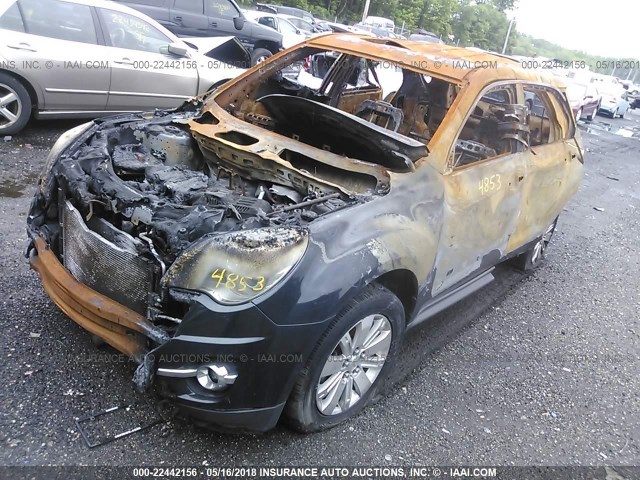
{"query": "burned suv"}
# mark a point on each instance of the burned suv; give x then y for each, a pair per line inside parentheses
(261, 251)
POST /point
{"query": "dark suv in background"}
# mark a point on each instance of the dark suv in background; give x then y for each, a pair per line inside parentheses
(211, 18)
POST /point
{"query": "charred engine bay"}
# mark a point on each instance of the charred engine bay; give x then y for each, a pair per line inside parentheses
(150, 180)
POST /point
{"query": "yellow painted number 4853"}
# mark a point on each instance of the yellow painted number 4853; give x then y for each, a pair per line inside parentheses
(489, 184)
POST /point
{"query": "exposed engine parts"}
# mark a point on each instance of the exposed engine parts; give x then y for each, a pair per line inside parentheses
(151, 181)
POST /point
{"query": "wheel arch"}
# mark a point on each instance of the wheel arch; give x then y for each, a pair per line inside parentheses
(270, 45)
(404, 285)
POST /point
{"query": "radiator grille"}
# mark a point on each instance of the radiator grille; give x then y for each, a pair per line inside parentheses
(116, 272)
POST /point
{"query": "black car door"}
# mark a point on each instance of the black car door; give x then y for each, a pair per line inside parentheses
(188, 18)
(220, 14)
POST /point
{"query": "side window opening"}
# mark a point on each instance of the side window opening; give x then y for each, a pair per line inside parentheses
(130, 32)
(58, 19)
(193, 6)
(268, 22)
(547, 114)
(381, 107)
(538, 116)
(12, 20)
(497, 126)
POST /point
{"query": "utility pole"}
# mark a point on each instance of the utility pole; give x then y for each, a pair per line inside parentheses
(506, 40)
(365, 13)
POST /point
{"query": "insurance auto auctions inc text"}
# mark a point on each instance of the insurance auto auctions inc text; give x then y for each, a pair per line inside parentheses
(376, 472)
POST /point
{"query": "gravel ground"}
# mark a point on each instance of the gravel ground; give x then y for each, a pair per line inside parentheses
(541, 369)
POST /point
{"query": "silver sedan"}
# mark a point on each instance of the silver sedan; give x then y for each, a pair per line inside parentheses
(88, 58)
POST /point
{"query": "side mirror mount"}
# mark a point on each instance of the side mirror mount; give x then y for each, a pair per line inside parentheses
(177, 49)
(238, 22)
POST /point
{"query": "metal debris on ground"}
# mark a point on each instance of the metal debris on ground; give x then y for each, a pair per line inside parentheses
(91, 443)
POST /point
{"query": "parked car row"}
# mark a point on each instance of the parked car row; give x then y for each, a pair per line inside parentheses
(200, 18)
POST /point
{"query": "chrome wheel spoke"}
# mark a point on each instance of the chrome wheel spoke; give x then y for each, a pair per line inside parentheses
(7, 99)
(363, 330)
(333, 366)
(379, 344)
(346, 344)
(536, 252)
(329, 397)
(372, 362)
(347, 398)
(7, 114)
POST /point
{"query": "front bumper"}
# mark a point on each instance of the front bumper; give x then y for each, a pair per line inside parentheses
(267, 361)
(119, 326)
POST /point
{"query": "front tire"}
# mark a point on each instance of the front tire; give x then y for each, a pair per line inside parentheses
(15, 105)
(350, 362)
(533, 258)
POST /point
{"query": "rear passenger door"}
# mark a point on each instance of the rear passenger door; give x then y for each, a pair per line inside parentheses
(483, 189)
(143, 77)
(553, 161)
(58, 52)
(188, 18)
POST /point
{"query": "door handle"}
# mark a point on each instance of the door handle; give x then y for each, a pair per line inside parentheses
(178, 18)
(23, 46)
(124, 61)
(214, 24)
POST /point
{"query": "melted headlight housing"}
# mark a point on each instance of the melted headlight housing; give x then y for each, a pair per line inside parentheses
(237, 267)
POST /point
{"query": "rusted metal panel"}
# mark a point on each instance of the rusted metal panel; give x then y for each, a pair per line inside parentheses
(120, 327)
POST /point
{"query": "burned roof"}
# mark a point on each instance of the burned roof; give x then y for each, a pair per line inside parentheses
(454, 64)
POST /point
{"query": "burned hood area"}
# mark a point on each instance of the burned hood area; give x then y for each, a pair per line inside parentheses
(144, 186)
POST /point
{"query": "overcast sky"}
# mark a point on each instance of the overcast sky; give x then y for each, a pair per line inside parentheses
(599, 27)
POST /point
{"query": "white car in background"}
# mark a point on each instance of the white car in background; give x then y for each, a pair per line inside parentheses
(89, 58)
(291, 35)
(306, 28)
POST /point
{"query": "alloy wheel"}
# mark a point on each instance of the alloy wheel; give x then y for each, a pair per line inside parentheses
(10, 106)
(354, 365)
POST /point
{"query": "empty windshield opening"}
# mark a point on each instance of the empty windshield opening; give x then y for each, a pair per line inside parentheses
(407, 105)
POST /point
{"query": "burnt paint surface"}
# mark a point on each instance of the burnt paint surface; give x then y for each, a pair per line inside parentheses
(179, 176)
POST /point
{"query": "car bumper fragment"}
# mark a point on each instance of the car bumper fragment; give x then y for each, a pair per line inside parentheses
(119, 326)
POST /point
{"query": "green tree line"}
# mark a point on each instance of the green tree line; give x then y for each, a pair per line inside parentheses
(468, 23)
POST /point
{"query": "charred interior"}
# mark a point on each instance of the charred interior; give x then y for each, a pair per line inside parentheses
(358, 108)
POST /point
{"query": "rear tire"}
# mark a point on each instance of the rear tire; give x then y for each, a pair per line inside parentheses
(349, 364)
(15, 105)
(259, 55)
(533, 258)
